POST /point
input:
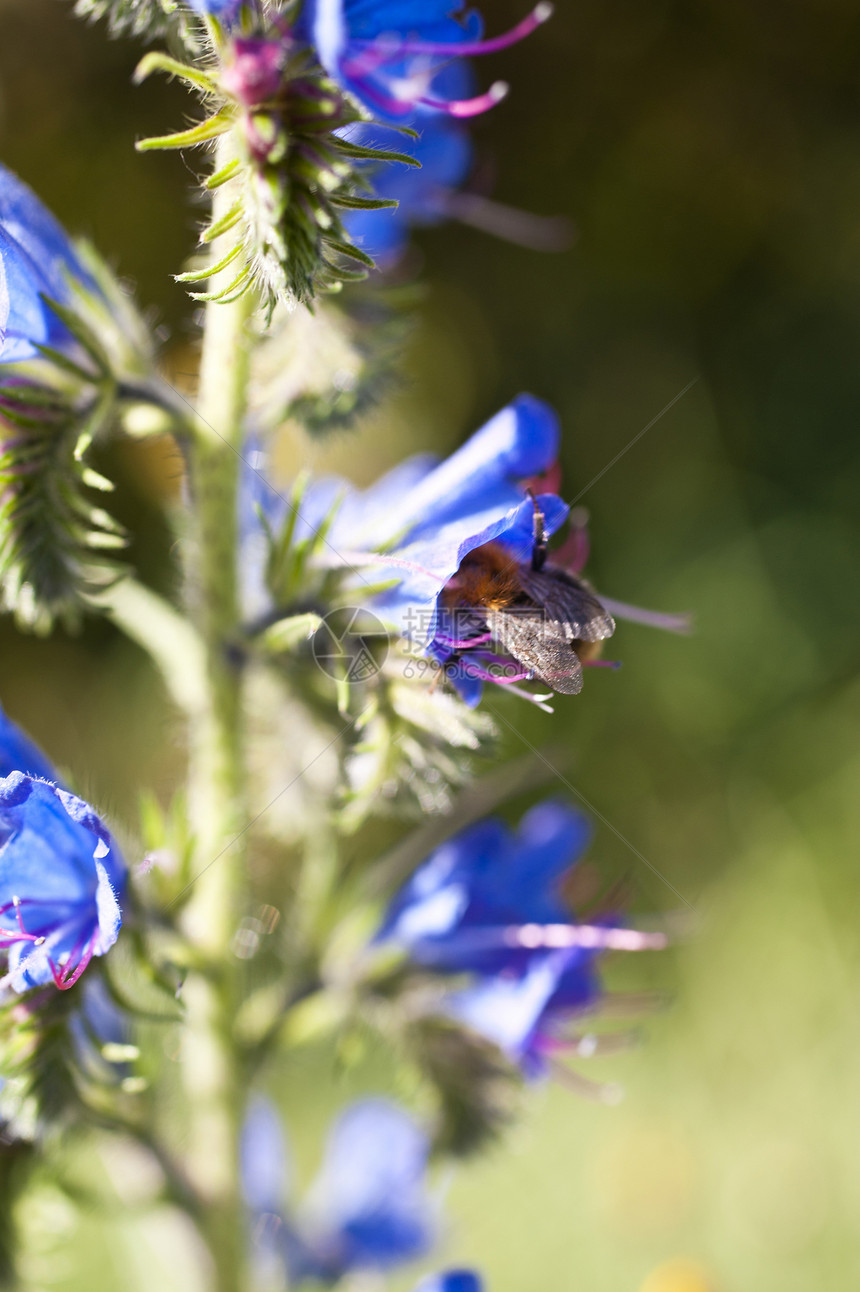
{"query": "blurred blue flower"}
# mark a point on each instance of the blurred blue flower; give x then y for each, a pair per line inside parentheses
(61, 875)
(452, 1281)
(368, 1208)
(489, 903)
(390, 54)
(489, 877)
(37, 259)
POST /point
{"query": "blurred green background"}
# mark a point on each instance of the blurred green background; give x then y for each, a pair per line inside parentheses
(708, 152)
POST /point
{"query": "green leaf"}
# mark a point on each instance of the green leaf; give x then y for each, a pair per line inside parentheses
(156, 61)
(288, 633)
(360, 153)
(54, 544)
(146, 18)
(209, 271)
(365, 203)
(211, 128)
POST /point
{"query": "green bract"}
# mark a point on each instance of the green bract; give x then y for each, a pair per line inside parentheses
(292, 176)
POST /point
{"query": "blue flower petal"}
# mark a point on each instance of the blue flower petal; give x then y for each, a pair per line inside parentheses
(520, 441)
(4, 302)
(508, 1010)
(372, 1185)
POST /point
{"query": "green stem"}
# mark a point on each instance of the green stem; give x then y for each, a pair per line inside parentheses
(213, 1067)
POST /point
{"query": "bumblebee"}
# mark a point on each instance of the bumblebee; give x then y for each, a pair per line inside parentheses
(546, 619)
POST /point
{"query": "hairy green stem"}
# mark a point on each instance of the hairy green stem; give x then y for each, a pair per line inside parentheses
(213, 1072)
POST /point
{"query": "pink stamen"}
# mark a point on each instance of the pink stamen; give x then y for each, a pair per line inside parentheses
(371, 59)
(64, 980)
(601, 663)
(484, 675)
(588, 936)
(560, 937)
(470, 107)
(11, 936)
(454, 643)
(539, 15)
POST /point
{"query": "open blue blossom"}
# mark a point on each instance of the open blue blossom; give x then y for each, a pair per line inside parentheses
(415, 527)
(37, 260)
(391, 54)
(428, 545)
(367, 1210)
(489, 904)
(60, 878)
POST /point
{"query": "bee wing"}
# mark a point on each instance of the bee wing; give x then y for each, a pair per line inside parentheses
(568, 606)
(539, 645)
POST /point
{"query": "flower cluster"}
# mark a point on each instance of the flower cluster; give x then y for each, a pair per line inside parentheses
(61, 873)
(490, 905)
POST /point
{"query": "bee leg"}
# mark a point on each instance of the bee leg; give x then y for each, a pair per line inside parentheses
(539, 550)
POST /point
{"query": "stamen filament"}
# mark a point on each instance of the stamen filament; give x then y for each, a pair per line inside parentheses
(540, 14)
(470, 107)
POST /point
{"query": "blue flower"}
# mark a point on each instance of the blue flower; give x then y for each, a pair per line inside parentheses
(37, 260)
(367, 1210)
(391, 54)
(416, 526)
(489, 904)
(61, 874)
(426, 548)
(452, 1281)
